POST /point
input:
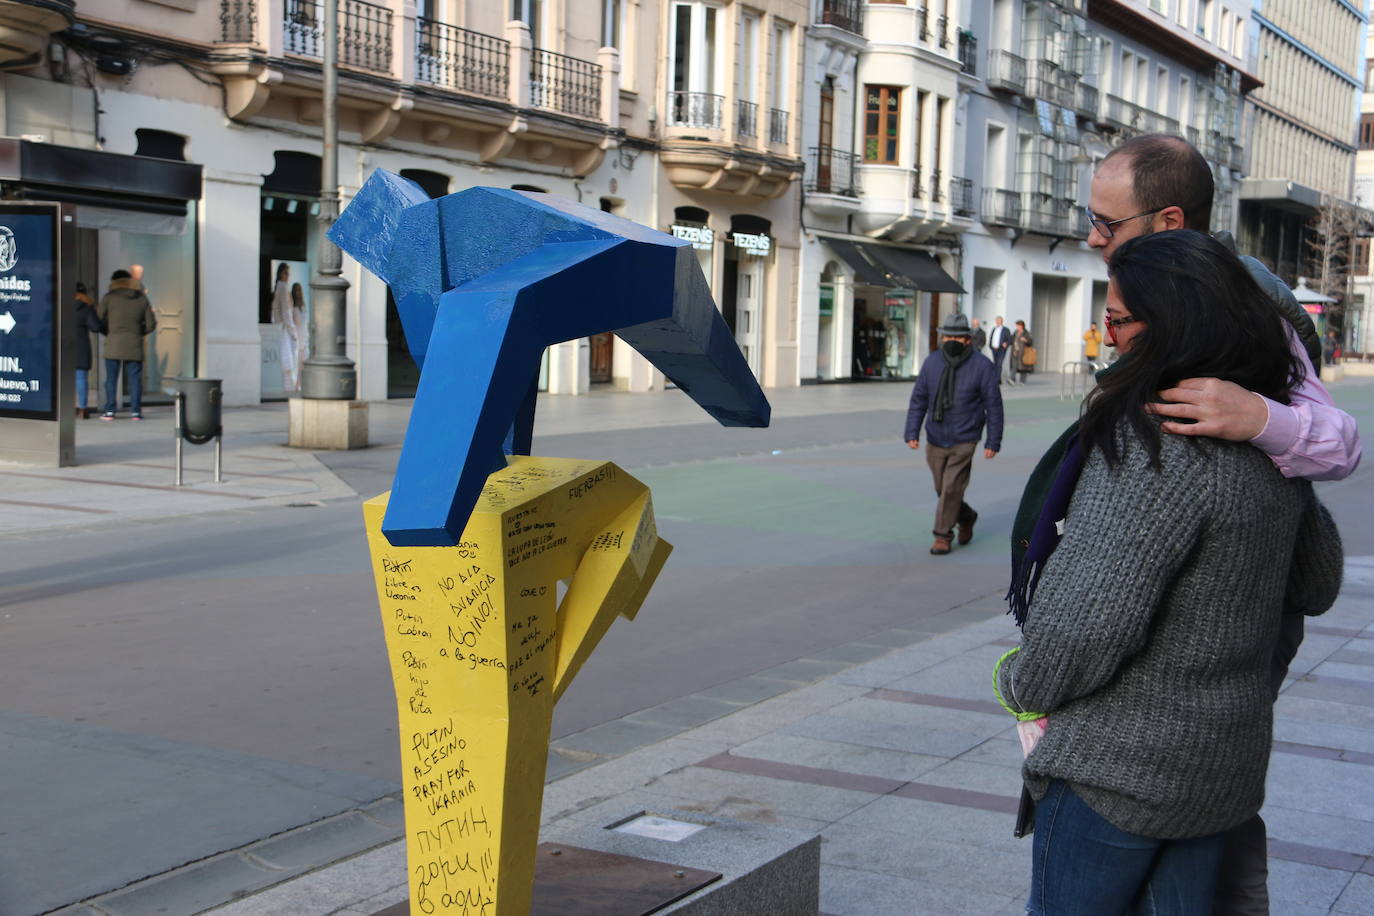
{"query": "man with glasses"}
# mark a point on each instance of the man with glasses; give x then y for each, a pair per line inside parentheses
(1153, 184)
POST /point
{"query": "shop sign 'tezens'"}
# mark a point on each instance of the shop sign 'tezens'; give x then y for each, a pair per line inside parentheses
(754, 244)
(701, 237)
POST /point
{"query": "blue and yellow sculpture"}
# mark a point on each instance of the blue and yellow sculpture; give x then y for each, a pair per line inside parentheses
(469, 546)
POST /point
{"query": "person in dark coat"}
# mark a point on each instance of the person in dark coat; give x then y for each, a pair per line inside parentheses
(86, 324)
(127, 318)
(980, 337)
(1000, 341)
(955, 395)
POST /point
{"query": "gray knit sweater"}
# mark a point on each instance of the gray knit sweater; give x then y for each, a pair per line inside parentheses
(1149, 638)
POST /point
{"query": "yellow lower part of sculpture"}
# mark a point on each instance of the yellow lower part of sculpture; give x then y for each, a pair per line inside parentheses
(481, 646)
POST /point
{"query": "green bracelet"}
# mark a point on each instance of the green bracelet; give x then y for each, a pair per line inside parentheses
(997, 689)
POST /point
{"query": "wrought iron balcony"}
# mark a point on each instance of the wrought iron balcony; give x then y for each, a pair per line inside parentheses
(364, 32)
(696, 109)
(961, 199)
(1001, 207)
(937, 188)
(746, 118)
(1006, 71)
(565, 84)
(922, 23)
(942, 31)
(461, 60)
(777, 126)
(238, 20)
(830, 171)
(843, 14)
(917, 189)
(968, 52)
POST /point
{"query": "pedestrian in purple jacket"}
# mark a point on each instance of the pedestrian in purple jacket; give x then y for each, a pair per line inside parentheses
(955, 395)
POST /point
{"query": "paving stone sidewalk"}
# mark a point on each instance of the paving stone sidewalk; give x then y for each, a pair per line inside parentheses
(894, 751)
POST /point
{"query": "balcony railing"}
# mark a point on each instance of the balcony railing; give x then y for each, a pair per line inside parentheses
(364, 32)
(1006, 71)
(917, 189)
(1085, 100)
(843, 14)
(777, 126)
(1047, 81)
(830, 171)
(922, 24)
(695, 109)
(937, 189)
(942, 31)
(1129, 116)
(746, 118)
(461, 60)
(968, 53)
(961, 196)
(1001, 207)
(238, 20)
(565, 84)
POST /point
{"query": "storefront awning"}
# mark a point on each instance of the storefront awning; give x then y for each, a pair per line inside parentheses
(864, 272)
(913, 269)
(95, 178)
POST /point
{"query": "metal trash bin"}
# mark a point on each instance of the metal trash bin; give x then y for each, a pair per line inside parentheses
(198, 418)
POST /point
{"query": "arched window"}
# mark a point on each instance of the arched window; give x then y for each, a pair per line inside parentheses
(160, 144)
(691, 215)
(432, 183)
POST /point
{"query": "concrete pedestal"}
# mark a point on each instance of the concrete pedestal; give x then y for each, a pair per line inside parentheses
(1333, 373)
(764, 869)
(314, 423)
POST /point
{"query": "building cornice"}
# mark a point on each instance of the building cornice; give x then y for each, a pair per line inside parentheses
(1133, 23)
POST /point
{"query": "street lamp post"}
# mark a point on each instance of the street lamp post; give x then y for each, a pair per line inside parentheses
(327, 414)
(328, 374)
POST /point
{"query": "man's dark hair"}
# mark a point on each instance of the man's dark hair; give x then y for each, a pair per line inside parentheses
(121, 275)
(1167, 171)
(1203, 316)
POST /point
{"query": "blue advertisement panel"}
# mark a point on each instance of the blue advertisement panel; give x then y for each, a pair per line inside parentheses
(28, 312)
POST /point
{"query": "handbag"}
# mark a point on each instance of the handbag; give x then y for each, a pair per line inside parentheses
(1029, 356)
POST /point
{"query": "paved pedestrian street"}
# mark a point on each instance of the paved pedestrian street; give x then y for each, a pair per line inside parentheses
(197, 704)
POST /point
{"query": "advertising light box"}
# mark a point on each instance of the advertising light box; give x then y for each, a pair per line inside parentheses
(28, 312)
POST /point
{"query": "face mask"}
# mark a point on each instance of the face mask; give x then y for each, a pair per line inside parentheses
(953, 348)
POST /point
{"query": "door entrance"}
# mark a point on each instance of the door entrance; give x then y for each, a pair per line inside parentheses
(740, 301)
(602, 346)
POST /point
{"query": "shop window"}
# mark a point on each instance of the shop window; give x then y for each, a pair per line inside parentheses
(160, 144)
(434, 184)
(882, 116)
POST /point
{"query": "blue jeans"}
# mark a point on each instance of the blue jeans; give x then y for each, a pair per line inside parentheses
(1084, 866)
(83, 387)
(135, 392)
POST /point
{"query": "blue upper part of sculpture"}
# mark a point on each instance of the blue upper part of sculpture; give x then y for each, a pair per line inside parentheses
(486, 279)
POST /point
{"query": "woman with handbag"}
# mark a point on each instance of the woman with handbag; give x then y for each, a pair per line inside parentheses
(1157, 584)
(1023, 355)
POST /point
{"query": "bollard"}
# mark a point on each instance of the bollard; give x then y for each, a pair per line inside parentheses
(197, 418)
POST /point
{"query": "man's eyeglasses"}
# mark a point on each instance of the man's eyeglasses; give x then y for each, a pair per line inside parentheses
(1104, 226)
(1118, 322)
